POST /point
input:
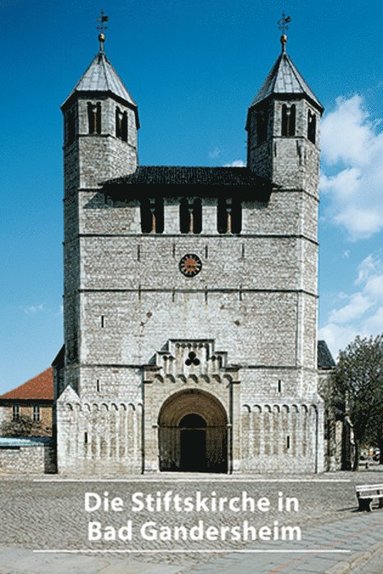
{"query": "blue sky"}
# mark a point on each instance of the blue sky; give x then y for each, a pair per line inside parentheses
(193, 68)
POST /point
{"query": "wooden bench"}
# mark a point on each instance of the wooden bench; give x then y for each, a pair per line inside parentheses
(367, 493)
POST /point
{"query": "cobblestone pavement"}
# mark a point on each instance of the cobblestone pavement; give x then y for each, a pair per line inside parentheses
(44, 516)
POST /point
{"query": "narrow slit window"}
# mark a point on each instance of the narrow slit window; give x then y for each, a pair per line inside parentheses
(184, 216)
(311, 126)
(288, 120)
(222, 216)
(159, 215)
(94, 118)
(146, 216)
(197, 215)
(121, 125)
(236, 217)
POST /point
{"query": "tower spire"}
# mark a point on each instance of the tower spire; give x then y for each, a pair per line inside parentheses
(283, 25)
(102, 19)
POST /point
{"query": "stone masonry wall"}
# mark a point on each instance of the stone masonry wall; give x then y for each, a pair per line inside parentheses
(37, 459)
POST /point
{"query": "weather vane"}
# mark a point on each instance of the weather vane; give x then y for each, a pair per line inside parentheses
(283, 25)
(102, 20)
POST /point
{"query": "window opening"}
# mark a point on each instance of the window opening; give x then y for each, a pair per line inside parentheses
(94, 118)
(288, 120)
(36, 413)
(121, 125)
(191, 216)
(152, 215)
(15, 412)
(229, 216)
(192, 359)
(311, 126)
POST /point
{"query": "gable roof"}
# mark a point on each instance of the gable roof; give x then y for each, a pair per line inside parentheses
(284, 79)
(325, 358)
(181, 175)
(180, 181)
(40, 387)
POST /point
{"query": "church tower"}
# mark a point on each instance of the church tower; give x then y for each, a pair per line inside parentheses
(100, 141)
(190, 293)
(283, 129)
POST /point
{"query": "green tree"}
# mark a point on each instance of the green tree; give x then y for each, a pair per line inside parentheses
(24, 426)
(358, 383)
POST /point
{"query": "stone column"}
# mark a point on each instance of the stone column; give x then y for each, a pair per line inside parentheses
(235, 465)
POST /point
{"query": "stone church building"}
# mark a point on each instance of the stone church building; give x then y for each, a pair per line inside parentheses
(190, 295)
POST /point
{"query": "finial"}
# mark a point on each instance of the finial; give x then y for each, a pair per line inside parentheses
(283, 25)
(102, 19)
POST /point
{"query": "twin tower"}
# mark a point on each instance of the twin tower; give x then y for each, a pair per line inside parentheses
(190, 293)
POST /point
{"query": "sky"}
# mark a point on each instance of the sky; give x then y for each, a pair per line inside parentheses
(193, 68)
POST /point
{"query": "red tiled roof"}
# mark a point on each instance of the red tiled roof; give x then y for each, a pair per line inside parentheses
(40, 387)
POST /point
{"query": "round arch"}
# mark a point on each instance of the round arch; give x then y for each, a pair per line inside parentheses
(193, 433)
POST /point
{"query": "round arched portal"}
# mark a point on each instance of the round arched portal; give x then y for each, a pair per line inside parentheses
(193, 433)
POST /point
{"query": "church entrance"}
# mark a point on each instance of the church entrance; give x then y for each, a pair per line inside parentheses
(193, 443)
(193, 433)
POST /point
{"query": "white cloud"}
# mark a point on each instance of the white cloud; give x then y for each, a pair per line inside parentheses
(236, 163)
(352, 176)
(34, 309)
(357, 305)
(361, 312)
(215, 152)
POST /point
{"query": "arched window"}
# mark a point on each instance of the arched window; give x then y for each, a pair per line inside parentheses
(152, 215)
(94, 118)
(121, 125)
(311, 126)
(229, 216)
(288, 120)
(191, 216)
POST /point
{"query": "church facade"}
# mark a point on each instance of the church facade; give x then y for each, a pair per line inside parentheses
(190, 293)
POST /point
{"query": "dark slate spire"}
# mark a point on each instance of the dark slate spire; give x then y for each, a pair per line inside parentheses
(102, 77)
(284, 79)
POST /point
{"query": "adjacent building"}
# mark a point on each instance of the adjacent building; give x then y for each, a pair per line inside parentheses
(32, 400)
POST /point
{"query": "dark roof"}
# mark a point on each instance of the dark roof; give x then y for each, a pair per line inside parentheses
(59, 359)
(40, 387)
(100, 76)
(204, 179)
(285, 80)
(325, 359)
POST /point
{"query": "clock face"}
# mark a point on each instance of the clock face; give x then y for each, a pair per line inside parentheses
(190, 265)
